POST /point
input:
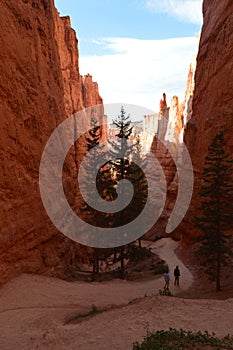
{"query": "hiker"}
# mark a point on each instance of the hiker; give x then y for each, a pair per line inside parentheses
(166, 279)
(177, 275)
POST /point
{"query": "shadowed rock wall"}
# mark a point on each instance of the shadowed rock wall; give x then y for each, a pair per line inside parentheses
(212, 105)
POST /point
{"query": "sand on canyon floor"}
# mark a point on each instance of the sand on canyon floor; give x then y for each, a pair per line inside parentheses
(35, 310)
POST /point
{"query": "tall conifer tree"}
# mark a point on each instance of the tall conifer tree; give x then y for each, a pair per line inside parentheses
(120, 152)
(217, 209)
(103, 182)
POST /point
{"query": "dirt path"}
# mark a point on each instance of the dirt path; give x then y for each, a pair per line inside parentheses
(34, 310)
(49, 292)
(165, 248)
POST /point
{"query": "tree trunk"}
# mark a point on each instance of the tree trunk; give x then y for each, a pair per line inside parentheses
(122, 263)
(219, 248)
(114, 256)
(218, 274)
(95, 270)
(140, 242)
(97, 262)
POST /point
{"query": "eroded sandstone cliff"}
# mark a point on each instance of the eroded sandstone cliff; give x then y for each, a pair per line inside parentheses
(162, 135)
(40, 85)
(207, 109)
(212, 105)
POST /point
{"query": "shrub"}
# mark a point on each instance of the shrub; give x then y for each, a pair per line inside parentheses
(173, 339)
(165, 292)
(138, 253)
(160, 268)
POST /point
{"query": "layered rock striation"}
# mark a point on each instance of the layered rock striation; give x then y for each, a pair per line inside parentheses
(40, 86)
(212, 105)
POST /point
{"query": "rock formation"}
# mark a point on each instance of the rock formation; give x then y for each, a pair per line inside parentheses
(40, 85)
(188, 100)
(208, 106)
(163, 103)
(79, 92)
(162, 134)
(168, 125)
(212, 106)
(175, 122)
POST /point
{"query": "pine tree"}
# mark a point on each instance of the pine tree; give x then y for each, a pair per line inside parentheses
(138, 179)
(93, 140)
(120, 153)
(128, 163)
(103, 182)
(217, 209)
(120, 149)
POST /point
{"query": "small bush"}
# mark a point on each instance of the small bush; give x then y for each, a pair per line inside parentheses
(94, 311)
(138, 253)
(165, 292)
(140, 268)
(183, 340)
(160, 268)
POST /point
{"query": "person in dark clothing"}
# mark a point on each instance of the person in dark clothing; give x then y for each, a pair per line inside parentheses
(177, 276)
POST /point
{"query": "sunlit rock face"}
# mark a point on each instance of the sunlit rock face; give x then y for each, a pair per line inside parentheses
(208, 103)
(163, 135)
(175, 122)
(40, 86)
(187, 113)
(212, 105)
(162, 138)
(79, 92)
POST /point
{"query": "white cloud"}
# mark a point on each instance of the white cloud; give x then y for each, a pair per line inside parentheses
(184, 10)
(139, 71)
(97, 42)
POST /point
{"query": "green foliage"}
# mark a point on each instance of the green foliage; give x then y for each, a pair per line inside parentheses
(121, 146)
(138, 179)
(104, 181)
(136, 253)
(123, 168)
(173, 339)
(94, 134)
(166, 292)
(128, 163)
(119, 149)
(216, 209)
(160, 268)
(94, 311)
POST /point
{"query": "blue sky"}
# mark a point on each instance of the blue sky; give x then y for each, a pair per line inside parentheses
(136, 49)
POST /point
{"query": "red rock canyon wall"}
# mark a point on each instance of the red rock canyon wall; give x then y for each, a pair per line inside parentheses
(212, 105)
(40, 86)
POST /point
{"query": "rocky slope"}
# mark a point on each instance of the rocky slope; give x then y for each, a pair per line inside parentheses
(40, 86)
(212, 106)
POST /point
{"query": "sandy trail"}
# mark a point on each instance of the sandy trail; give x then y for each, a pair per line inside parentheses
(38, 291)
(165, 248)
(34, 310)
